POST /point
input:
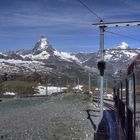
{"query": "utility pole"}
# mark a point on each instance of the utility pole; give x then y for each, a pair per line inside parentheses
(101, 63)
(101, 66)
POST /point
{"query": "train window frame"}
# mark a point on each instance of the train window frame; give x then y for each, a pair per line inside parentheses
(123, 90)
(120, 91)
(131, 90)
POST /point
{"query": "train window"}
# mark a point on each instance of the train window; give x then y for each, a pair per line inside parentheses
(131, 92)
(124, 91)
(120, 91)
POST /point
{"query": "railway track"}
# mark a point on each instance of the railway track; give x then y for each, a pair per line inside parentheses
(110, 106)
(108, 103)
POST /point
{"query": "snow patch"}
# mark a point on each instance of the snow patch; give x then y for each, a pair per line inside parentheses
(12, 65)
(69, 56)
(9, 93)
(130, 54)
(66, 56)
(108, 57)
(62, 56)
(123, 45)
(42, 90)
(44, 43)
(110, 96)
(40, 56)
(78, 87)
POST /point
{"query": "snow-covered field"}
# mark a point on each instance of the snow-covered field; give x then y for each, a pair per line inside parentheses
(78, 87)
(9, 93)
(42, 90)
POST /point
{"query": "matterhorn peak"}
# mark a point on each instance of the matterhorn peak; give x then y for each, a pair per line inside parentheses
(42, 44)
(123, 45)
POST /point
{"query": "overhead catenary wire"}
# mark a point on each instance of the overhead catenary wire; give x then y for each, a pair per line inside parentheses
(90, 10)
(129, 49)
(101, 77)
(126, 36)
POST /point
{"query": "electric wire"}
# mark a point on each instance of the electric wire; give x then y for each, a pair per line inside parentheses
(97, 16)
(91, 11)
(118, 34)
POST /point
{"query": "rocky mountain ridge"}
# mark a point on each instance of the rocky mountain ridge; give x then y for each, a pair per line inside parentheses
(43, 58)
(116, 58)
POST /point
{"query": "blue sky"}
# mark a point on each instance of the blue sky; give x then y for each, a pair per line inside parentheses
(66, 23)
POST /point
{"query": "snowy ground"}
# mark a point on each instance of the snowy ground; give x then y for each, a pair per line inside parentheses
(49, 90)
(78, 87)
(9, 93)
(62, 117)
(43, 90)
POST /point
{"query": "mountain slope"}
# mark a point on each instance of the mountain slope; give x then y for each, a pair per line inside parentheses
(44, 51)
(43, 58)
(116, 58)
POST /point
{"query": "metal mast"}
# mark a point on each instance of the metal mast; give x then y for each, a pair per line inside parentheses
(101, 63)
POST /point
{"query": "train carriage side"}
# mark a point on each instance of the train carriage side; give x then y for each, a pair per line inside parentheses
(127, 101)
(120, 103)
(136, 72)
(133, 100)
(130, 102)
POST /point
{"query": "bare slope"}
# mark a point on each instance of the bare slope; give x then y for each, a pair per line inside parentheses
(61, 117)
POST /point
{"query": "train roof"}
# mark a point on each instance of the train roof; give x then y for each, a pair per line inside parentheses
(135, 62)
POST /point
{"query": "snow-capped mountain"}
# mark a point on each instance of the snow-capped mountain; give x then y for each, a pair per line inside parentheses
(122, 52)
(117, 58)
(123, 45)
(42, 44)
(43, 58)
(44, 51)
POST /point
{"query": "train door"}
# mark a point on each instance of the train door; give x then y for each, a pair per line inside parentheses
(130, 107)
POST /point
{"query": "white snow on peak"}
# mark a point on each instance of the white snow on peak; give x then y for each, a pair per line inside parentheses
(45, 55)
(12, 65)
(130, 54)
(40, 56)
(108, 57)
(65, 56)
(69, 56)
(43, 43)
(60, 55)
(123, 45)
